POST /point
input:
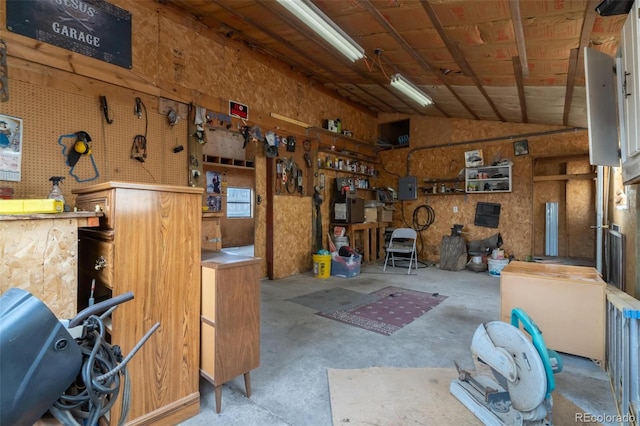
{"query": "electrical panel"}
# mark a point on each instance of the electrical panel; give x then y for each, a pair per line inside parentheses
(408, 188)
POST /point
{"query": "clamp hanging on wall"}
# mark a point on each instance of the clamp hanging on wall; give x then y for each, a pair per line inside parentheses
(80, 147)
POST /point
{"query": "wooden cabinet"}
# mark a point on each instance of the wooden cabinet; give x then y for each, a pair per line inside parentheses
(566, 302)
(488, 179)
(629, 96)
(230, 320)
(148, 242)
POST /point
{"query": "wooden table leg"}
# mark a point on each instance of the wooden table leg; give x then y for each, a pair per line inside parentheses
(365, 242)
(381, 250)
(373, 233)
(247, 384)
(352, 237)
(218, 390)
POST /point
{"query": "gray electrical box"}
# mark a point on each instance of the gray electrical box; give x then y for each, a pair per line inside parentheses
(408, 188)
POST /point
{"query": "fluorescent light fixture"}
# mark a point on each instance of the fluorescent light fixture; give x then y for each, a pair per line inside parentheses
(410, 90)
(313, 17)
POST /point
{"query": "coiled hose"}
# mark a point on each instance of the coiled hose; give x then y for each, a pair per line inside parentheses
(98, 384)
(428, 215)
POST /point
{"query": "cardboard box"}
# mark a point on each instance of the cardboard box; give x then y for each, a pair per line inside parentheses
(370, 214)
(385, 213)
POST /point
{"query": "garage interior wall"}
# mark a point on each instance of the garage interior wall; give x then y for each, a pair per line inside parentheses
(176, 59)
(436, 151)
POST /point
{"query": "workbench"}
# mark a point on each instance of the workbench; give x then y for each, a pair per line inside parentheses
(39, 254)
(371, 236)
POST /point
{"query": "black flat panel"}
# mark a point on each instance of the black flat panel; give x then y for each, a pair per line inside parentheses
(92, 28)
(487, 215)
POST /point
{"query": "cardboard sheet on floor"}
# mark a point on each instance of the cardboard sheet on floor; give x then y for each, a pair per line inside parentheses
(404, 396)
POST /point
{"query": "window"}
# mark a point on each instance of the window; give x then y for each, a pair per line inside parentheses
(239, 203)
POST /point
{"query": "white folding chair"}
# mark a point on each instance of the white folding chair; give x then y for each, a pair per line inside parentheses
(403, 241)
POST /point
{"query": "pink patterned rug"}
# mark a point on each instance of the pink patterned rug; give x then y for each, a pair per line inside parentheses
(394, 308)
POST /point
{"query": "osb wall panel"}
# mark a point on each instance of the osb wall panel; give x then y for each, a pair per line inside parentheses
(581, 201)
(49, 113)
(629, 222)
(45, 267)
(436, 151)
(192, 58)
(260, 212)
(291, 235)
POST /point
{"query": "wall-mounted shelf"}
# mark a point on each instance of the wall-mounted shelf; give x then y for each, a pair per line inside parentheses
(429, 191)
(210, 160)
(488, 179)
(453, 186)
(317, 131)
(444, 180)
(347, 172)
(349, 154)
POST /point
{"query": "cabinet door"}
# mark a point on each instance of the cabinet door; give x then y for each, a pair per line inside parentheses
(630, 84)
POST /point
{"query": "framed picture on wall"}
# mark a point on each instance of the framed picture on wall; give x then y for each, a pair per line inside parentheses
(214, 203)
(10, 148)
(214, 183)
(521, 147)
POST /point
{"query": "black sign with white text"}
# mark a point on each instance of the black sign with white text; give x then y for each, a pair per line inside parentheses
(93, 28)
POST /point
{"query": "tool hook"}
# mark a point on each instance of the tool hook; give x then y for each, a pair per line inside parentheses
(105, 109)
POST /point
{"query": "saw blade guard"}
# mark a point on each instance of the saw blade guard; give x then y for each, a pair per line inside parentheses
(550, 359)
(528, 389)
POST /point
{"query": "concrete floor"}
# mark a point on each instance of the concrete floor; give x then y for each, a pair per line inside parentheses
(290, 387)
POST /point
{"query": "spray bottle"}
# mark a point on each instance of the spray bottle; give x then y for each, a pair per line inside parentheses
(55, 193)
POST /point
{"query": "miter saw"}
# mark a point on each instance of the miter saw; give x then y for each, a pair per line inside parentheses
(523, 369)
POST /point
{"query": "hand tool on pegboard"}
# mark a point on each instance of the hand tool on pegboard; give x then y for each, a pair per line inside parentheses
(4, 73)
(139, 148)
(105, 109)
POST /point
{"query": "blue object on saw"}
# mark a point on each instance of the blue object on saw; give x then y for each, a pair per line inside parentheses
(80, 147)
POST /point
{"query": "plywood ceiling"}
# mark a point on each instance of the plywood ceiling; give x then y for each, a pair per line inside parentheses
(503, 60)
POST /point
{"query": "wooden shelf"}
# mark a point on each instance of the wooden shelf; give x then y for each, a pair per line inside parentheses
(564, 177)
(427, 191)
(347, 172)
(210, 160)
(206, 214)
(444, 180)
(348, 139)
(348, 154)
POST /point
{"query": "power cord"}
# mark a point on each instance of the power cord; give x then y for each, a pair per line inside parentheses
(97, 387)
(429, 216)
(87, 398)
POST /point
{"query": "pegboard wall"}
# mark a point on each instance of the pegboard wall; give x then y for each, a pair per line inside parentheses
(48, 114)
